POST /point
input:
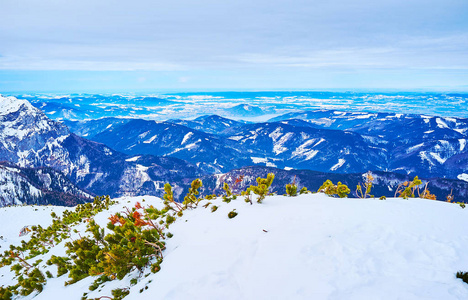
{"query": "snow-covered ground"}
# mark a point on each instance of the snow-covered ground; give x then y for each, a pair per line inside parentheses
(305, 247)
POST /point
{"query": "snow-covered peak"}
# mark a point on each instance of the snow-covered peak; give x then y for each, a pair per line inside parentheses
(10, 105)
(27, 134)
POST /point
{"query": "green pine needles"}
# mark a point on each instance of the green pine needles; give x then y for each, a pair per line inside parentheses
(261, 189)
(341, 190)
(191, 200)
(232, 214)
(229, 196)
(463, 276)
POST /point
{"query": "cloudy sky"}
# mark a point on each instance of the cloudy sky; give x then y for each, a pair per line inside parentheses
(114, 45)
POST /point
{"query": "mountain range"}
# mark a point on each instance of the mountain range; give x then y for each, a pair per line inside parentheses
(29, 139)
(323, 140)
(128, 156)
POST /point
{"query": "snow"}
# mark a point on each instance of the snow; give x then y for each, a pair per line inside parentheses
(13, 218)
(338, 165)
(259, 160)
(463, 177)
(143, 135)
(305, 247)
(149, 141)
(275, 135)
(186, 138)
(441, 124)
(326, 122)
(107, 151)
(415, 147)
(141, 168)
(13, 187)
(423, 156)
(325, 249)
(193, 145)
(10, 105)
(462, 144)
(309, 154)
(235, 138)
(135, 158)
(304, 151)
(278, 145)
(363, 116)
(319, 142)
(453, 120)
(437, 157)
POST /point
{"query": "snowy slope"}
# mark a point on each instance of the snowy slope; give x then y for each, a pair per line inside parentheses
(13, 218)
(10, 193)
(37, 186)
(305, 247)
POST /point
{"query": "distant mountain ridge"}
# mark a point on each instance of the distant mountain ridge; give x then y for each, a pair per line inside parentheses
(322, 140)
(417, 144)
(209, 152)
(213, 124)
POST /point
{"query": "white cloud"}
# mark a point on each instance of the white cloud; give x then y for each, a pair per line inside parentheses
(240, 36)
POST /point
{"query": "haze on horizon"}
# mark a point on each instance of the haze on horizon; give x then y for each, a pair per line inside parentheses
(86, 45)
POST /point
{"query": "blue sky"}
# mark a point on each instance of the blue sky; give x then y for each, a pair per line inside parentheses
(113, 45)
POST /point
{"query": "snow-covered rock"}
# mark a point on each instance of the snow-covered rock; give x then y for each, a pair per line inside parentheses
(37, 186)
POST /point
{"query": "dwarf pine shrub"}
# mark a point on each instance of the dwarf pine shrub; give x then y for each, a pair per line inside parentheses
(169, 201)
(463, 276)
(426, 194)
(331, 189)
(363, 190)
(191, 200)
(30, 278)
(134, 242)
(63, 264)
(261, 189)
(210, 197)
(406, 189)
(291, 190)
(31, 281)
(232, 214)
(6, 293)
(119, 294)
(100, 280)
(450, 197)
(229, 196)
